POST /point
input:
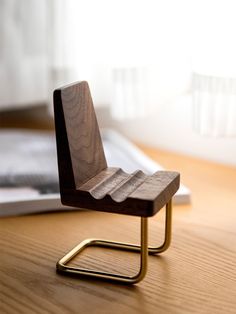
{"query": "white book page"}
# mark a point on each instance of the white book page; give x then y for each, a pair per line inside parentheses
(29, 163)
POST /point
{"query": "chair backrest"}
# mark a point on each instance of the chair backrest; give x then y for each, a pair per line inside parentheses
(79, 146)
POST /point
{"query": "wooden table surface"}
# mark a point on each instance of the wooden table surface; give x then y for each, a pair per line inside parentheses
(196, 275)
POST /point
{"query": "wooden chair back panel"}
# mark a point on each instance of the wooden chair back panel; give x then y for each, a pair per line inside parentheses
(85, 144)
(85, 179)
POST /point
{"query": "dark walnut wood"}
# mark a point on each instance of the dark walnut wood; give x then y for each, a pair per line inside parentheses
(85, 179)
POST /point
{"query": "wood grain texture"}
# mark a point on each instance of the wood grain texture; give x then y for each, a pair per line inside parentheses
(196, 275)
(85, 179)
(115, 191)
(78, 138)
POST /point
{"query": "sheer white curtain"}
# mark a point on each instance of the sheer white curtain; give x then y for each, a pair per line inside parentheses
(23, 53)
(138, 55)
(141, 54)
(134, 53)
(214, 68)
(214, 101)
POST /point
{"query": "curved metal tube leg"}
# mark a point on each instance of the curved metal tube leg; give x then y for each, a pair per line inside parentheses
(62, 267)
(152, 250)
(168, 232)
(143, 249)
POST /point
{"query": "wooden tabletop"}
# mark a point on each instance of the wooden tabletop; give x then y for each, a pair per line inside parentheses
(196, 275)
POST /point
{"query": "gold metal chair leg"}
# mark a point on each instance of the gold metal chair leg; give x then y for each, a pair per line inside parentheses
(143, 249)
(167, 236)
(62, 267)
(168, 232)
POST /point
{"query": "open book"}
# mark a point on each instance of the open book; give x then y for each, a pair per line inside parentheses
(29, 176)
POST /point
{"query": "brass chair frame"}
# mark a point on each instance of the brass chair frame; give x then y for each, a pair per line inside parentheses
(142, 248)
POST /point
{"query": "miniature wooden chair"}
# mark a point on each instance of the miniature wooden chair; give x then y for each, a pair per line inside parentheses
(87, 182)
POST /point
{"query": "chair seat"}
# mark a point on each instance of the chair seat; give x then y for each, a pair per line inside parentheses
(113, 190)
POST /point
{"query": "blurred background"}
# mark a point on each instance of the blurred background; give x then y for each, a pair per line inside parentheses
(162, 73)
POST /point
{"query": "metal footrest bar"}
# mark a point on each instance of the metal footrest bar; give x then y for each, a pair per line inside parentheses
(142, 248)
